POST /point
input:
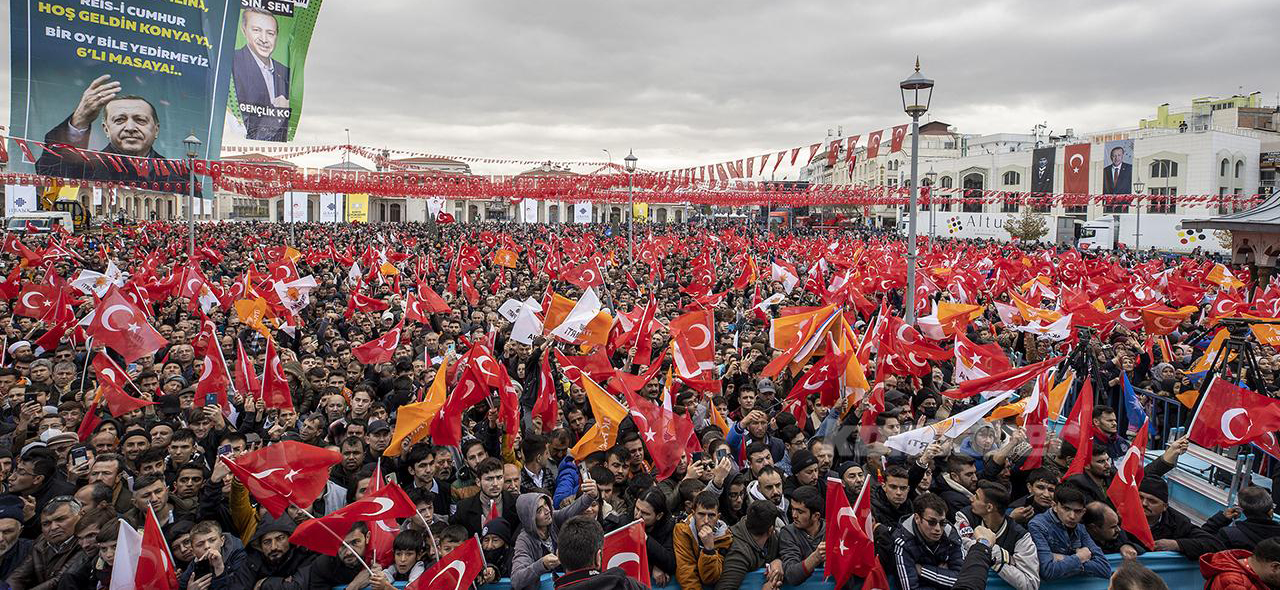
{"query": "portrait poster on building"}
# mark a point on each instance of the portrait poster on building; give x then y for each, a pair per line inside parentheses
(1075, 169)
(272, 37)
(1117, 167)
(529, 210)
(358, 208)
(582, 212)
(640, 212)
(295, 206)
(109, 90)
(1042, 167)
(330, 207)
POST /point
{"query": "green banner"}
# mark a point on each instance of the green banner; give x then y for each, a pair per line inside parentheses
(107, 90)
(272, 37)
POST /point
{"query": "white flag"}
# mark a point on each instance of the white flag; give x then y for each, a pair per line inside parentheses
(125, 565)
(913, 442)
(582, 313)
(1056, 331)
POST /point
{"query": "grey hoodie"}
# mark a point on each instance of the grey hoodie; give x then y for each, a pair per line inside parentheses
(526, 560)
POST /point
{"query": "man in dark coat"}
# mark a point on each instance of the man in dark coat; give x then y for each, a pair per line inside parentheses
(1171, 529)
(261, 82)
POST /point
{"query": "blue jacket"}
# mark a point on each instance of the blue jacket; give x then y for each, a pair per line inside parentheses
(737, 440)
(567, 481)
(1053, 539)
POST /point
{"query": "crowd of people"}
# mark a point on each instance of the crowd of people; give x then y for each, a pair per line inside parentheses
(754, 497)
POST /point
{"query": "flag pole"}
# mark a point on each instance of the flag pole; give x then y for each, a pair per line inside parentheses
(88, 351)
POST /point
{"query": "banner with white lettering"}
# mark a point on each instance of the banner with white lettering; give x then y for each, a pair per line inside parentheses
(272, 37)
(108, 90)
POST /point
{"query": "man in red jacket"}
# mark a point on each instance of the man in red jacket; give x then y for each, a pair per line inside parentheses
(1238, 569)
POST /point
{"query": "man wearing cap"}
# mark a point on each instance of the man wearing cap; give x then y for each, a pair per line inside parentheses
(56, 546)
(378, 437)
(13, 549)
(1171, 529)
(270, 556)
(767, 396)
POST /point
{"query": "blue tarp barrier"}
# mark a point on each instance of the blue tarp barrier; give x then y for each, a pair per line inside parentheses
(1176, 570)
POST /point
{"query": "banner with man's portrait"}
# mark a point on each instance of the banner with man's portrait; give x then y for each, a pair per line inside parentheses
(1042, 166)
(1117, 167)
(108, 91)
(272, 37)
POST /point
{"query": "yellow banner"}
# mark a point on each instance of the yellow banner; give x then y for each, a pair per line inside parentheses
(358, 208)
(640, 212)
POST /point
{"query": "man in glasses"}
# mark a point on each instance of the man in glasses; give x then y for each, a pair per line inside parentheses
(926, 548)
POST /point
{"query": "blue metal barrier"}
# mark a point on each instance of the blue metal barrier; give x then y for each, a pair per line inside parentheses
(1176, 570)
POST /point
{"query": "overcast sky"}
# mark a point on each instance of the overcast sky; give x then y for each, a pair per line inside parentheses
(687, 82)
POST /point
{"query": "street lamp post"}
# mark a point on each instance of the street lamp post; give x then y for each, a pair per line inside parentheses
(917, 91)
(1138, 187)
(630, 166)
(193, 143)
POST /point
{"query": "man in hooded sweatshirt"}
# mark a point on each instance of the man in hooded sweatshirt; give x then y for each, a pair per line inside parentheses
(270, 554)
(768, 486)
(535, 549)
(1238, 569)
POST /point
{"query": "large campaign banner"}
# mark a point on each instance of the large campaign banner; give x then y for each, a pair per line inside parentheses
(330, 207)
(358, 208)
(272, 38)
(107, 90)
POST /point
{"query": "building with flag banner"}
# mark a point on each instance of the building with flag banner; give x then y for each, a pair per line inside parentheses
(1218, 152)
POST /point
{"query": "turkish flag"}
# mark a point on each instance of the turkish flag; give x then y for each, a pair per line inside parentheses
(471, 389)
(358, 302)
(1011, 379)
(644, 334)
(285, 473)
(381, 349)
(873, 144)
(1160, 320)
(625, 548)
(823, 378)
(584, 275)
(1230, 415)
(246, 382)
(1079, 429)
(155, 564)
(382, 533)
(694, 334)
(595, 365)
(1123, 491)
(213, 377)
(35, 300)
(122, 326)
(849, 533)
(1075, 177)
(283, 270)
(324, 534)
(895, 141)
(663, 433)
(456, 570)
(547, 406)
(275, 386)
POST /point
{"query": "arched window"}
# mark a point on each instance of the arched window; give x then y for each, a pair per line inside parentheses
(1011, 178)
(1164, 169)
(1239, 168)
(946, 182)
(1223, 168)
